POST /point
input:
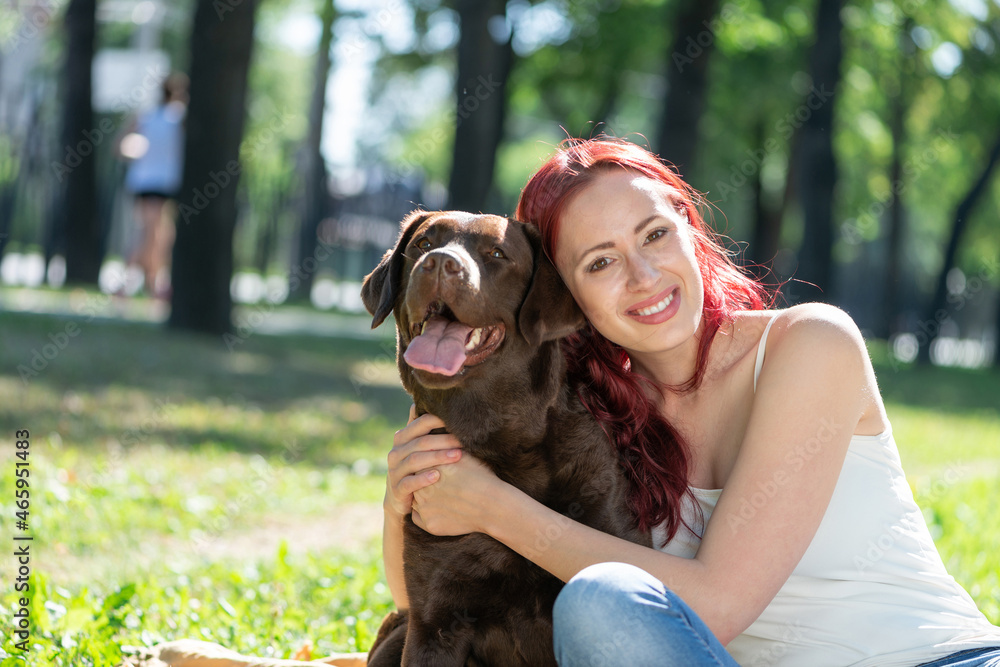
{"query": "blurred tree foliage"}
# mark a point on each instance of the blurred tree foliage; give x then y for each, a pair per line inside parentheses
(603, 65)
(916, 112)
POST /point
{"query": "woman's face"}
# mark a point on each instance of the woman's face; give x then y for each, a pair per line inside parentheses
(627, 256)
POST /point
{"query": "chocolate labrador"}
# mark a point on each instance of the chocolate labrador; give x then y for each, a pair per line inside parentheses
(479, 312)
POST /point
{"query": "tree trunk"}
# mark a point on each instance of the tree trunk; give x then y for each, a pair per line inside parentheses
(316, 190)
(818, 164)
(484, 64)
(267, 232)
(79, 224)
(889, 323)
(936, 312)
(221, 44)
(767, 219)
(687, 84)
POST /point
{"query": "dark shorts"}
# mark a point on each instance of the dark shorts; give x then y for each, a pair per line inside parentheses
(150, 194)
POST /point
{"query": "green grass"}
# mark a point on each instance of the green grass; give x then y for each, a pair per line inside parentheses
(180, 489)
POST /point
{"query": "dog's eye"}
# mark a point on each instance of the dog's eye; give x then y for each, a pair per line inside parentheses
(497, 253)
(423, 244)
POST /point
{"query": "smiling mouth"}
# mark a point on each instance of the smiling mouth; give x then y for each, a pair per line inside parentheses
(658, 307)
(443, 345)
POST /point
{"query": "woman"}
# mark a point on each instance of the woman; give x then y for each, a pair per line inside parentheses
(758, 445)
(154, 144)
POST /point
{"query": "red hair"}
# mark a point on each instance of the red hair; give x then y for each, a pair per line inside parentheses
(652, 451)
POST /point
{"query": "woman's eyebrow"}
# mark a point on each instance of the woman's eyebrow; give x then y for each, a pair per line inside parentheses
(611, 244)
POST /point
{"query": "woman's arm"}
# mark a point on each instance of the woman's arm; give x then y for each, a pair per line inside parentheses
(414, 451)
(810, 396)
(392, 557)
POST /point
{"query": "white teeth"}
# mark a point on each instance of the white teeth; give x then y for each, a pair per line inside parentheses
(474, 339)
(423, 328)
(658, 308)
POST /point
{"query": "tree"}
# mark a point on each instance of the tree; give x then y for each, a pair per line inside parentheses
(897, 125)
(687, 83)
(77, 171)
(936, 311)
(221, 45)
(484, 63)
(818, 164)
(316, 195)
(767, 218)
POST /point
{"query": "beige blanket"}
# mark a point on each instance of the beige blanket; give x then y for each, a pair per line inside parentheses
(194, 653)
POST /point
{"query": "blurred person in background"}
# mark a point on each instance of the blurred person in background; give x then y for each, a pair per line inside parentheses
(154, 146)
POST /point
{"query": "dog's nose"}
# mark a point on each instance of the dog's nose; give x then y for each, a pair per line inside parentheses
(444, 262)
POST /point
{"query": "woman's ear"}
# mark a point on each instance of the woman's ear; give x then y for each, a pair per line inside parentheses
(382, 286)
(549, 311)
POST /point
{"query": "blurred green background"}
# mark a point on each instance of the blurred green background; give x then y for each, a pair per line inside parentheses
(207, 458)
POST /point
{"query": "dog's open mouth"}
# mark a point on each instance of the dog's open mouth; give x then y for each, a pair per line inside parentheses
(443, 345)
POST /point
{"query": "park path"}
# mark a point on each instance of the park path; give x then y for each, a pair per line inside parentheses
(262, 318)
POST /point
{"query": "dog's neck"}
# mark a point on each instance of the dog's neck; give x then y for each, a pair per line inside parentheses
(490, 429)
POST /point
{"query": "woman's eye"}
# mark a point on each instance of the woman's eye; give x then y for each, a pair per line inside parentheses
(423, 244)
(656, 234)
(497, 253)
(598, 265)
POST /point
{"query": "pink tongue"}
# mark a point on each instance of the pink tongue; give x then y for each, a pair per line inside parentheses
(440, 348)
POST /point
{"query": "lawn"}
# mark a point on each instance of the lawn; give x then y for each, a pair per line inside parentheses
(180, 488)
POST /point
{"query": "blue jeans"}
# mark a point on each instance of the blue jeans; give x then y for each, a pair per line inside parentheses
(614, 614)
(976, 657)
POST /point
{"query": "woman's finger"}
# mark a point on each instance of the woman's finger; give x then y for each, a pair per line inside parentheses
(422, 460)
(419, 428)
(421, 425)
(412, 483)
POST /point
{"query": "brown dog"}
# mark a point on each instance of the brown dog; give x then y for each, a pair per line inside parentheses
(479, 311)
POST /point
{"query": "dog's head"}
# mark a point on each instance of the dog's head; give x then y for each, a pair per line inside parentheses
(465, 289)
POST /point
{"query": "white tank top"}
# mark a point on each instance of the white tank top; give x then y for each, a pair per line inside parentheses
(870, 591)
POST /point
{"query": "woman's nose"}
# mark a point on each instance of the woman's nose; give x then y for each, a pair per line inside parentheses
(642, 274)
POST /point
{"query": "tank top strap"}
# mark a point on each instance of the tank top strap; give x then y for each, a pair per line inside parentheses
(760, 351)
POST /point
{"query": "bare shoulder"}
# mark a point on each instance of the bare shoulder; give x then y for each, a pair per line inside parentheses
(822, 342)
(818, 329)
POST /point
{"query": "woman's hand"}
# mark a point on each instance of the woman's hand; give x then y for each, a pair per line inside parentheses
(460, 501)
(412, 460)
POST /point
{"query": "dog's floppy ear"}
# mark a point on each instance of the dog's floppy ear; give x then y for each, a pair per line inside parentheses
(549, 310)
(381, 286)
